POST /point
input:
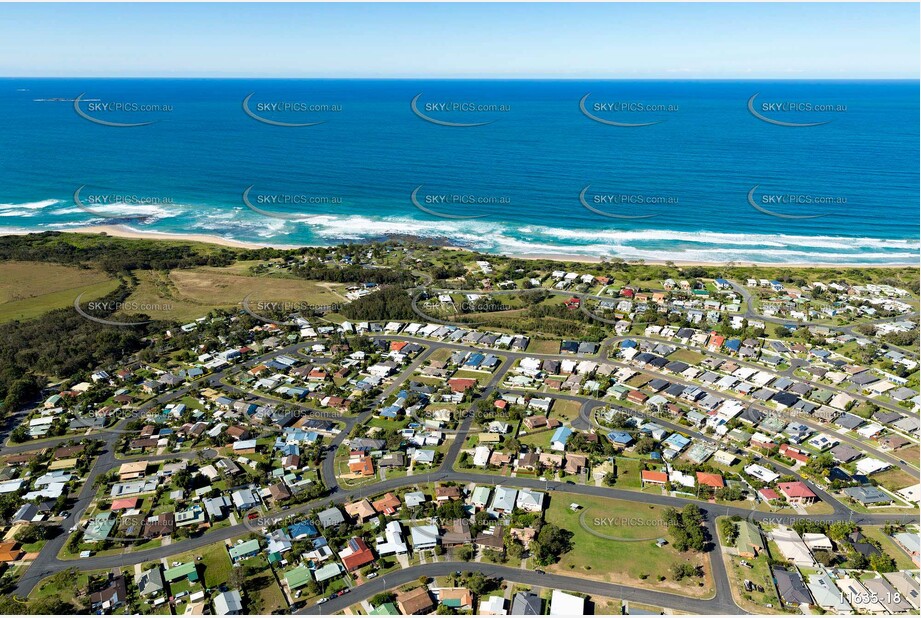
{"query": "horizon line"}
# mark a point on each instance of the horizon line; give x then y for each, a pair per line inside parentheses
(468, 78)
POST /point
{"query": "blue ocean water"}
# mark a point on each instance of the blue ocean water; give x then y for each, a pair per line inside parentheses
(704, 178)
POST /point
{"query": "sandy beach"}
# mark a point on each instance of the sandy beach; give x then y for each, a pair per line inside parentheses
(126, 232)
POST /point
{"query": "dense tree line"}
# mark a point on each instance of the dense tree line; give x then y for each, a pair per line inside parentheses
(113, 255)
(59, 343)
(388, 303)
(350, 274)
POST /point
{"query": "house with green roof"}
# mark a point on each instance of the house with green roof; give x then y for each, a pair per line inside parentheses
(189, 570)
(480, 496)
(329, 571)
(748, 540)
(100, 527)
(298, 577)
(243, 550)
(386, 609)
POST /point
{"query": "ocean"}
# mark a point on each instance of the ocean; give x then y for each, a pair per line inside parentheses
(716, 171)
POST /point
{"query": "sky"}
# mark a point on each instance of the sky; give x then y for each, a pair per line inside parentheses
(630, 41)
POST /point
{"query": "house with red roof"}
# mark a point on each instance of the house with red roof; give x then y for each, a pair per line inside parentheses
(793, 453)
(716, 342)
(459, 385)
(356, 555)
(768, 494)
(653, 478)
(797, 492)
(124, 503)
(360, 464)
(637, 397)
(709, 479)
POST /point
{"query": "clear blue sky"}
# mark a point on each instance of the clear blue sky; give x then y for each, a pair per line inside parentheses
(462, 40)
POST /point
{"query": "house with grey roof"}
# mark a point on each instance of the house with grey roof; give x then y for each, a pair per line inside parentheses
(330, 517)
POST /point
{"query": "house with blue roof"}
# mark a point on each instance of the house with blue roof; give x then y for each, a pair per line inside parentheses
(722, 284)
(733, 345)
(475, 360)
(559, 439)
(620, 438)
(677, 442)
(390, 412)
(628, 343)
(303, 530)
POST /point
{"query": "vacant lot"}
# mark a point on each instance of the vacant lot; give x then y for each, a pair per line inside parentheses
(29, 289)
(610, 534)
(894, 479)
(188, 294)
(688, 356)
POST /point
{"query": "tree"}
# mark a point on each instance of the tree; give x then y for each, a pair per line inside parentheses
(551, 543)
(382, 598)
(729, 530)
(681, 570)
(882, 563)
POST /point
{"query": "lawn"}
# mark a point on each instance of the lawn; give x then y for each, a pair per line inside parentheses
(566, 409)
(609, 535)
(190, 293)
(902, 560)
(894, 479)
(261, 589)
(215, 563)
(544, 346)
(29, 289)
(687, 356)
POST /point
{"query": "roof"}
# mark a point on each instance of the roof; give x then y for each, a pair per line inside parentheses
(565, 604)
(710, 480)
(526, 604)
(298, 576)
(242, 550)
(415, 600)
(796, 489)
(228, 602)
(186, 569)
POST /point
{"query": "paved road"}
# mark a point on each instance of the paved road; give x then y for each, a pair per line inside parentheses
(721, 603)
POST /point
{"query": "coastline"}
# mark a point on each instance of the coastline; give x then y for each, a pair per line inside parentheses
(120, 231)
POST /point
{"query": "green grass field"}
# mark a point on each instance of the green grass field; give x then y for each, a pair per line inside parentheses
(687, 356)
(29, 289)
(192, 293)
(597, 555)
